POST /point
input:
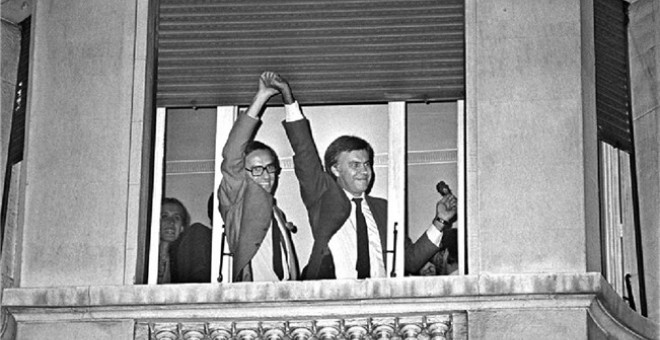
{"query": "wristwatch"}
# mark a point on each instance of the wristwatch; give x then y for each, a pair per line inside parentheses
(443, 222)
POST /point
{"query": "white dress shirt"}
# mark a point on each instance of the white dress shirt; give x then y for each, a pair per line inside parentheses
(262, 262)
(343, 245)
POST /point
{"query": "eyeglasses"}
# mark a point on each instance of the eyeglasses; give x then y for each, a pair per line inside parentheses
(259, 170)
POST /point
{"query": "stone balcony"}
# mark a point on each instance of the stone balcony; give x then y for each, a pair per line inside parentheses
(568, 306)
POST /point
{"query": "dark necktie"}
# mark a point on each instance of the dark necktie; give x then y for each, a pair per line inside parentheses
(278, 244)
(362, 266)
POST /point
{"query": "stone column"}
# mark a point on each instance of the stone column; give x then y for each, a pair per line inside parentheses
(84, 142)
(531, 134)
(532, 152)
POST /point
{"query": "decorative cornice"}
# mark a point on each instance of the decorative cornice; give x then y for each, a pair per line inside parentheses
(348, 291)
(200, 166)
(304, 300)
(207, 166)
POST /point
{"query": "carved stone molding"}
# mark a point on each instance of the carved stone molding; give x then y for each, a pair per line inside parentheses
(434, 327)
(206, 166)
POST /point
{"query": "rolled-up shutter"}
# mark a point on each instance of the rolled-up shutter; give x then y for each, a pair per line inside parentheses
(612, 74)
(331, 51)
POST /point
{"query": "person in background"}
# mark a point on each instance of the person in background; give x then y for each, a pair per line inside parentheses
(191, 252)
(445, 261)
(174, 219)
(258, 233)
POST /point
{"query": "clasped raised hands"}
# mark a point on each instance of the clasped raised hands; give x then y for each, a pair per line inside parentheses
(272, 83)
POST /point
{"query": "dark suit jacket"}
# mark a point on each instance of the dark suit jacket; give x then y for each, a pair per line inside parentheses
(245, 206)
(328, 208)
(190, 255)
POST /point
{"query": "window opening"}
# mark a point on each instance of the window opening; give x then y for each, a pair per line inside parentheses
(620, 223)
(400, 154)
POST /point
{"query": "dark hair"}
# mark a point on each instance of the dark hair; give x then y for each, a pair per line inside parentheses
(257, 145)
(209, 208)
(348, 144)
(186, 215)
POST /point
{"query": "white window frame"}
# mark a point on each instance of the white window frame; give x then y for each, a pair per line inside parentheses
(612, 217)
(226, 115)
(157, 195)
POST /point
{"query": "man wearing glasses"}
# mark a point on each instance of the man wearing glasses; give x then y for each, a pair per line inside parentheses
(257, 231)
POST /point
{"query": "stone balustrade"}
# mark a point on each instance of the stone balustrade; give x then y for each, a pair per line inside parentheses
(436, 327)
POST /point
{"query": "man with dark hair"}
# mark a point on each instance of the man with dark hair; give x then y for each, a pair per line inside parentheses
(345, 143)
(257, 231)
(349, 226)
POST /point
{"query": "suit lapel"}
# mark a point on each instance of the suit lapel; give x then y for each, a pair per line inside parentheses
(255, 221)
(379, 211)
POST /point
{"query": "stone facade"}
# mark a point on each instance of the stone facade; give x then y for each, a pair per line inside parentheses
(532, 196)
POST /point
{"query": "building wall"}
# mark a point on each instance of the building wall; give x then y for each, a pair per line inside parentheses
(528, 324)
(102, 330)
(644, 42)
(531, 201)
(76, 211)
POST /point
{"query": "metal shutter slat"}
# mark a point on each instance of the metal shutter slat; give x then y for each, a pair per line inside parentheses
(345, 51)
(612, 74)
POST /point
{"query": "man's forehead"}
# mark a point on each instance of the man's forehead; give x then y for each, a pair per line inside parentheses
(259, 157)
(172, 208)
(354, 155)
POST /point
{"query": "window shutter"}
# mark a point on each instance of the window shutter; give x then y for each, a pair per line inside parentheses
(613, 107)
(17, 132)
(17, 135)
(331, 51)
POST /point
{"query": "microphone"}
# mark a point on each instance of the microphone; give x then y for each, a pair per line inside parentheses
(292, 227)
(442, 188)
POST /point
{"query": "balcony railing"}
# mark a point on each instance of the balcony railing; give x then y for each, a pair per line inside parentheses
(535, 306)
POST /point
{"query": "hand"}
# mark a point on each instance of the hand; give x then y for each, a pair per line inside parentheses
(270, 83)
(445, 209)
(265, 85)
(274, 81)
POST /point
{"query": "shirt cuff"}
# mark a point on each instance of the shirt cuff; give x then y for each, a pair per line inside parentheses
(434, 235)
(293, 112)
(247, 116)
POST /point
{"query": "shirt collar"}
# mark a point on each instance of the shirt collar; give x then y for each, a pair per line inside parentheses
(351, 196)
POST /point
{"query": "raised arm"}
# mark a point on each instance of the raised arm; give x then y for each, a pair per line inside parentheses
(233, 162)
(307, 164)
(421, 251)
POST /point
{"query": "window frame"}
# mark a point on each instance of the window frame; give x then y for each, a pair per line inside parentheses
(397, 170)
